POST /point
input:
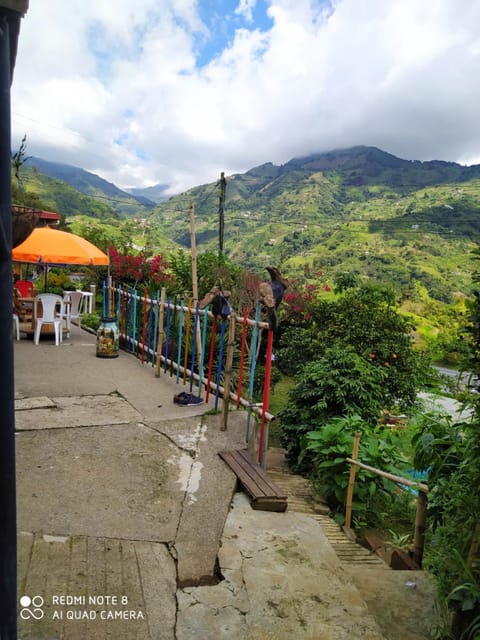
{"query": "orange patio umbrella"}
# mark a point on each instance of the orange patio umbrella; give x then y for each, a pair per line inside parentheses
(51, 246)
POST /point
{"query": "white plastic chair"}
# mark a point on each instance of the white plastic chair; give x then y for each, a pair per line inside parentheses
(50, 315)
(73, 308)
(16, 324)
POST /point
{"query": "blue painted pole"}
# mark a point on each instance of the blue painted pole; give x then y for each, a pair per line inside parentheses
(155, 327)
(202, 357)
(167, 334)
(194, 345)
(134, 332)
(180, 338)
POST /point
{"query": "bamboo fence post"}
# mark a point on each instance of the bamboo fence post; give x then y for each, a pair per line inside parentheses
(419, 534)
(474, 550)
(160, 331)
(351, 481)
(228, 372)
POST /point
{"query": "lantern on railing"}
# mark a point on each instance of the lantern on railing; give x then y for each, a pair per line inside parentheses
(107, 338)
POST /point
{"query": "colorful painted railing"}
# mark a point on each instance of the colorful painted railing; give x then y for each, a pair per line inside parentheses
(213, 356)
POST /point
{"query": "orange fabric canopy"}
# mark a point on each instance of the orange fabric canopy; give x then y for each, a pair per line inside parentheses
(51, 246)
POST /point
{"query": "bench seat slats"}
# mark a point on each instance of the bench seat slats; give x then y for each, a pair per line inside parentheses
(265, 494)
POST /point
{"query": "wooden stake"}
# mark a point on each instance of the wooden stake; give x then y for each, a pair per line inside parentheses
(351, 481)
(221, 212)
(474, 551)
(160, 331)
(419, 534)
(228, 371)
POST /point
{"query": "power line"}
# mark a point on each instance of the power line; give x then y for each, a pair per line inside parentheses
(152, 212)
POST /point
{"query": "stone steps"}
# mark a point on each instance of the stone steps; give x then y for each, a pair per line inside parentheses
(302, 499)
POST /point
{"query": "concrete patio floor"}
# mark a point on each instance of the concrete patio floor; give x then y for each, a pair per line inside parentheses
(128, 522)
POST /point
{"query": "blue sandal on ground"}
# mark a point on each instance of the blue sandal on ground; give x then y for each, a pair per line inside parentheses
(187, 399)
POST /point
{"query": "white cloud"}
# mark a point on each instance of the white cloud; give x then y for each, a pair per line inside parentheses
(245, 8)
(117, 88)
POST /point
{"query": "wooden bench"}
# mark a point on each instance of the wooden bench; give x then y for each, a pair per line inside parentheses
(264, 493)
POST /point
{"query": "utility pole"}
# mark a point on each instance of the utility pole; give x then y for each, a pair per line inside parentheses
(221, 212)
(10, 13)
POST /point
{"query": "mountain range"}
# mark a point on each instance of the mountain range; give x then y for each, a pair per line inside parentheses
(402, 222)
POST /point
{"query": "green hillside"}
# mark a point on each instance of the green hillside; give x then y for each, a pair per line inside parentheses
(57, 195)
(357, 210)
(91, 216)
(122, 203)
(406, 224)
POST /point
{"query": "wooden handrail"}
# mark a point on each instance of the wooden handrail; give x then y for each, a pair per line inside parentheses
(390, 476)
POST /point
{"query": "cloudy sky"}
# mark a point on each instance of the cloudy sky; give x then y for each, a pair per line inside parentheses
(176, 91)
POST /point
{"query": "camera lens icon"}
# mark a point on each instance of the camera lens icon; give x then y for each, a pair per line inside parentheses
(31, 607)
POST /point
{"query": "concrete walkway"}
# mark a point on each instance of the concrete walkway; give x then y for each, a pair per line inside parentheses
(126, 524)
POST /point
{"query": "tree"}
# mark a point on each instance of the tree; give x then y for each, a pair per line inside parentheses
(451, 452)
(213, 269)
(366, 320)
(337, 383)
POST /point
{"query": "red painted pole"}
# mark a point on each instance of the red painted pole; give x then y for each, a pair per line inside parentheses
(266, 393)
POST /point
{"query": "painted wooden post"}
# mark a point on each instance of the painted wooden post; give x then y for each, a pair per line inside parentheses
(202, 352)
(210, 357)
(193, 250)
(419, 534)
(228, 371)
(351, 481)
(160, 331)
(144, 325)
(242, 355)
(220, 363)
(187, 341)
(253, 360)
(196, 333)
(180, 338)
(168, 326)
(263, 440)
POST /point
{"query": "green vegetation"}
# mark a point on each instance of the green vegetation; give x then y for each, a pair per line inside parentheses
(410, 226)
(378, 254)
(329, 446)
(357, 357)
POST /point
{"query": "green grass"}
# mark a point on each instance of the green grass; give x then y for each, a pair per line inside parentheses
(278, 400)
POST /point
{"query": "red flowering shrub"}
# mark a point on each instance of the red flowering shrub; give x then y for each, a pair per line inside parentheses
(137, 269)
